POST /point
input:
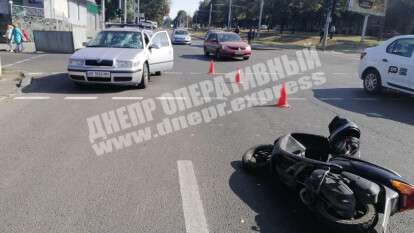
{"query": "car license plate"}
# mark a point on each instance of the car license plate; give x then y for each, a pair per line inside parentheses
(238, 52)
(100, 74)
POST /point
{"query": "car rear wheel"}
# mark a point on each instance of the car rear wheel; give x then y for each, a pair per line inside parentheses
(145, 77)
(372, 81)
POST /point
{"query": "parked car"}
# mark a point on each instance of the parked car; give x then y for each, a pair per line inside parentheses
(389, 65)
(181, 36)
(122, 56)
(226, 45)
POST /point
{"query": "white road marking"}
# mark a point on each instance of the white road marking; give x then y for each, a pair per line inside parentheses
(81, 97)
(32, 98)
(331, 98)
(195, 220)
(352, 74)
(24, 60)
(170, 98)
(127, 98)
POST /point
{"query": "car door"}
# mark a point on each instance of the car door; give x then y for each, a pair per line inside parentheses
(397, 64)
(161, 54)
(212, 42)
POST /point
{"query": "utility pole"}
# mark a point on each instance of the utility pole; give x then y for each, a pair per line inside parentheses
(103, 13)
(125, 11)
(260, 17)
(209, 17)
(139, 11)
(327, 23)
(120, 8)
(229, 19)
(364, 29)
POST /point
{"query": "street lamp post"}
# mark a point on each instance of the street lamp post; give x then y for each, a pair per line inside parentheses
(125, 11)
(260, 17)
(209, 17)
(103, 13)
(229, 18)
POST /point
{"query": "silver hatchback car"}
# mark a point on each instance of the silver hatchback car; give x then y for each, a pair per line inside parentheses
(124, 56)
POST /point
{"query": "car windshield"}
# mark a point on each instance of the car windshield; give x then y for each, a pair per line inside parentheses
(117, 39)
(181, 33)
(228, 37)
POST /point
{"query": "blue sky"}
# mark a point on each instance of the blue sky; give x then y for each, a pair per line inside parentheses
(188, 5)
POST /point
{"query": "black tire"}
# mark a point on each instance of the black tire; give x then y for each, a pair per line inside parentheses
(246, 58)
(145, 77)
(206, 53)
(372, 81)
(218, 55)
(255, 160)
(362, 224)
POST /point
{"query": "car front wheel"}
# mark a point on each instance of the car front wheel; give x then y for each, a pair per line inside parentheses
(145, 77)
(372, 82)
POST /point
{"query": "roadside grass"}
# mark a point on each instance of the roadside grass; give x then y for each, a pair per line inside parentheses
(342, 43)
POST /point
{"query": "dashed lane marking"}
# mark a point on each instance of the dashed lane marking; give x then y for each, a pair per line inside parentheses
(195, 220)
(32, 98)
(127, 98)
(81, 98)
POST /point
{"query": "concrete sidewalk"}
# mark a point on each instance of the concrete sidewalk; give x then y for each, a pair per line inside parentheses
(28, 47)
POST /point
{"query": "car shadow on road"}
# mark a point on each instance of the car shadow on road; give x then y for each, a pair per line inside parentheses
(388, 105)
(278, 208)
(61, 84)
(199, 57)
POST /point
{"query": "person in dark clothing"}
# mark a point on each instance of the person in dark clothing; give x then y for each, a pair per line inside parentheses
(250, 36)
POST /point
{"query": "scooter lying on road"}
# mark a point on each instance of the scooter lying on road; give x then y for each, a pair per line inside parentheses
(346, 192)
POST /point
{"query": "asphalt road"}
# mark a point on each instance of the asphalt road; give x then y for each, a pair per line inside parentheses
(51, 180)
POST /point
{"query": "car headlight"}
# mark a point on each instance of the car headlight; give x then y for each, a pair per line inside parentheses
(124, 64)
(188, 38)
(76, 62)
(248, 47)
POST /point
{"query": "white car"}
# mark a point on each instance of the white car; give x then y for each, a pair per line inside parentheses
(124, 56)
(389, 65)
(181, 36)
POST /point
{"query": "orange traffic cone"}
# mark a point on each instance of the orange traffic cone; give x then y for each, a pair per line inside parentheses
(238, 76)
(283, 100)
(212, 68)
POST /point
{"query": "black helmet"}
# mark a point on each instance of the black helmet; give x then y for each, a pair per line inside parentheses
(344, 137)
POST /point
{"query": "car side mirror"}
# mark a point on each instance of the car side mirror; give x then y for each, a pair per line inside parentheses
(85, 44)
(154, 46)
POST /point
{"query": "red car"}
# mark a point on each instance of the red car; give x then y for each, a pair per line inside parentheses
(226, 45)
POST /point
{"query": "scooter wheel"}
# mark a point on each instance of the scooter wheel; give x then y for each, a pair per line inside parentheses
(255, 160)
(365, 222)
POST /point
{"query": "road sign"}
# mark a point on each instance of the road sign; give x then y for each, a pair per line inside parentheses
(368, 7)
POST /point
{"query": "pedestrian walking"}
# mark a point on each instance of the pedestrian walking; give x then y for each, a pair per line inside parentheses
(17, 36)
(250, 36)
(322, 34)
(332, 31)
(8, 36)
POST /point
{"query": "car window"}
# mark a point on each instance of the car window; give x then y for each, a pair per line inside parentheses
(212, 36)
(117, 39)
(181, 32)
(161, 39)
(228, 37)
(402, 47)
